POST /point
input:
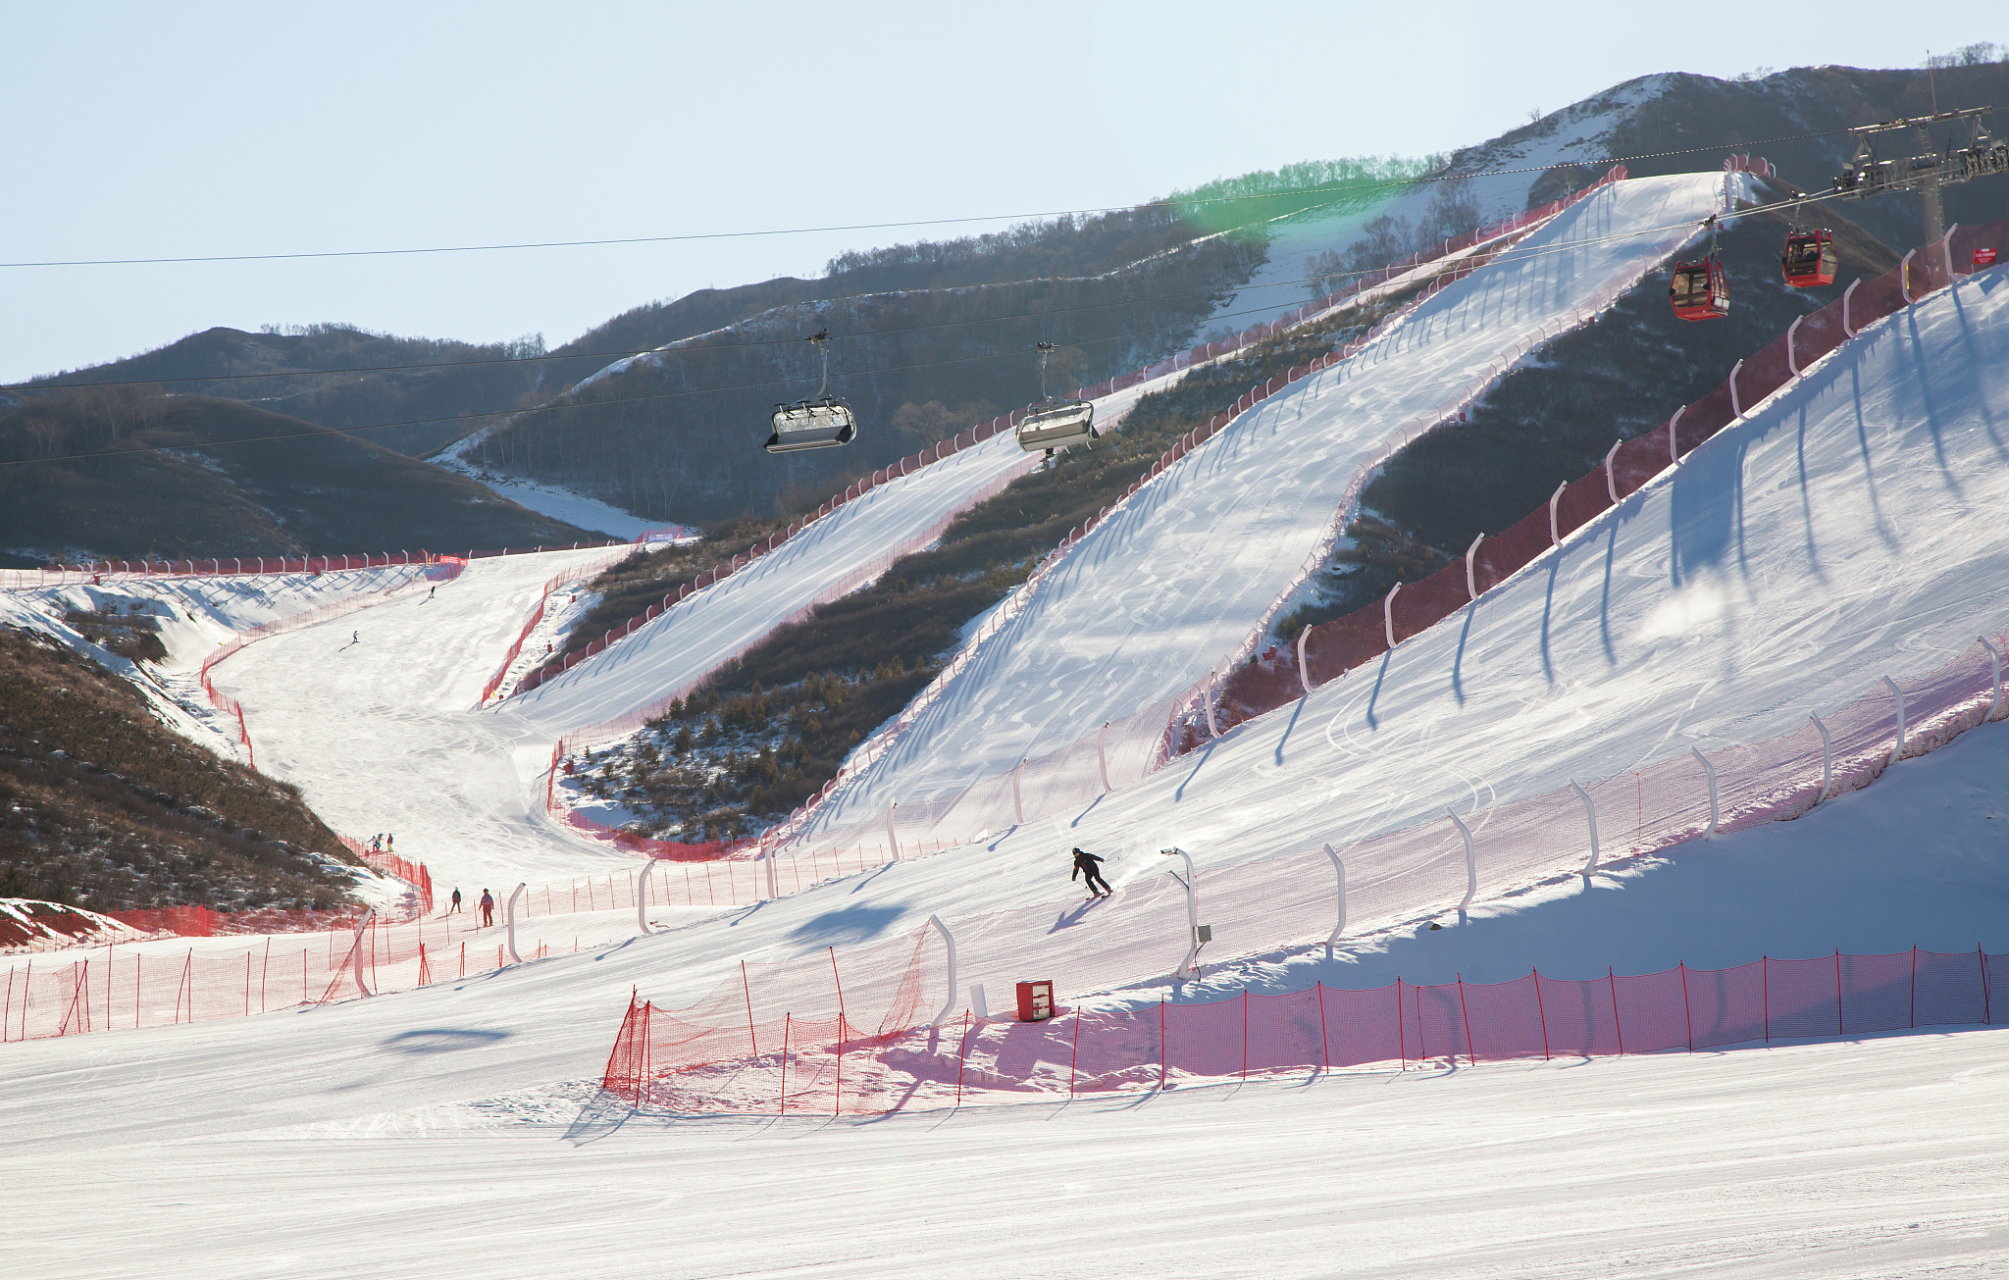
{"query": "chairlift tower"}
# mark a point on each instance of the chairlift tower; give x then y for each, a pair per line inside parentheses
(1929, 170)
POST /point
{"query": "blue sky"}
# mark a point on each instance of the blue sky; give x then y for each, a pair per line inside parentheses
(138, 131)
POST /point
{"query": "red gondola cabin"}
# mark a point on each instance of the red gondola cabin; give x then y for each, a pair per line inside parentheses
(1700, 290)
(1809, 259)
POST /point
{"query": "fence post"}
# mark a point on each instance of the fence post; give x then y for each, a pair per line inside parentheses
(1995, 659)
(1556, 538)
(1904, 277)
(1101, 757)
(892, 841)
(1736, 408)
(1471, 863)
(1471, 576)
(510, 915)
(1792, 363)
(1590, 811)
(1709, 769)
(1846, 331)
(1673, 454)
(1017, 803)
(1897, 748)
(1388, 614)
(1339, 869)
(1827, 758)
(1687, 1019)
(1610, 481)
(641, 898)
(1304, 671)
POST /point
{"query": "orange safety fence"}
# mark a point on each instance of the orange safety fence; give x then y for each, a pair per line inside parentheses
(719, 1056)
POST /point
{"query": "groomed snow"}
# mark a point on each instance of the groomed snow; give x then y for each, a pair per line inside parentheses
(1169, 585)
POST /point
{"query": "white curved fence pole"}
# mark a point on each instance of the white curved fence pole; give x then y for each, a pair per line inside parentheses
(1471, 863)
(1102, 756)
(767, 856)
(949, 941)
(1191, 963)
(1388, 614)
(1846, 293)
(642, 898)
(1471, 573)
(1017, 803)
(1673, 453)
(1792, 363)
(1611, 481)
(1827, 758)
(1339, 870)
(1303, 672)
(1709, 769)
(1994, 707)
(1207, 704)
(892, 840)
(1590, 812)
(1556, 538)
(356, 951)
(1897, 748)
(510, 918)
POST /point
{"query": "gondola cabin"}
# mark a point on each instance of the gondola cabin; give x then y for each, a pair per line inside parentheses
(1809, 259)
(1700, 290)
(811, 424)
(1055, 426)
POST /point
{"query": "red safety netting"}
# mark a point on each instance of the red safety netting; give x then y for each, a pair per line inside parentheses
(732, 1053)
(98, 571)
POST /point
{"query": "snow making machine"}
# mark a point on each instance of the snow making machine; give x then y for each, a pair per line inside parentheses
(1054, 424)
(823, 422)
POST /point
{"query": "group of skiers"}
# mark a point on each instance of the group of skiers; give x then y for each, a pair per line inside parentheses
(487, 905)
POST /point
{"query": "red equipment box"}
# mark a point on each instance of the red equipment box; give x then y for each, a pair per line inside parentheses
(1035, 1001)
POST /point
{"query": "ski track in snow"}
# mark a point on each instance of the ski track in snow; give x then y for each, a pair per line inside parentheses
(1168, 586)
(1848, 528)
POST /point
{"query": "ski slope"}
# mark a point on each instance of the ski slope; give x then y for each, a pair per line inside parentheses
(830, 557)
(1172, 583)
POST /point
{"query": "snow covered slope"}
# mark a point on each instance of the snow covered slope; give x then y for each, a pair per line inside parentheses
(1167, 587)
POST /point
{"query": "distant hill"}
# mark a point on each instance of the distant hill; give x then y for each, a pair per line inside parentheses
(217, 478)
(455, 380)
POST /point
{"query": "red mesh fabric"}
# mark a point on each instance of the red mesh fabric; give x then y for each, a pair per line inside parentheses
(1819, 334)
(1703, 419)
(1872, 300)
(1257, 687)
(1503, 555)
(1341, 645)
(1638, 461)
(1726, 1006)
(1993, 235)
(1653, 1014)
(1584, 500)
(1762, 374)
(1581, 1018)
(1802, 998)
(1505, 1020)
(1422, 605)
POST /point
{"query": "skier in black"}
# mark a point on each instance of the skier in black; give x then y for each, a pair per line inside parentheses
(456, 902)
(1084, 861)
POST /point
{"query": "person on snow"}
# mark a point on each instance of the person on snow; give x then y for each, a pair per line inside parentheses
(487, 909)
(390, 841)
(1086, 862)
(456, 901)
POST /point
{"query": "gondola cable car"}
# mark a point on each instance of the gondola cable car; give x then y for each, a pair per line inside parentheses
(1700, 290)
(823, 422)
(1054, 423)
(1809, 258)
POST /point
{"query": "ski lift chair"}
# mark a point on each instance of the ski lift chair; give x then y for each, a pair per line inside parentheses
(1809, 259)
(1700, 290)
(1053, 424)
(820, 423)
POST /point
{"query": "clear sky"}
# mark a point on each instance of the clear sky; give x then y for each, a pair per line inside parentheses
(194, 129)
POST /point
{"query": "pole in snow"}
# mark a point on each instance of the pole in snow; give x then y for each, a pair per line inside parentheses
(1591, 811)
(1339, 870)
(1471, 864)
(642, 898)
(1198, 935)
(356, 950)
(510, 917)
(1897, 748)
(949, 999)
(1714, 813)
(1827, 759)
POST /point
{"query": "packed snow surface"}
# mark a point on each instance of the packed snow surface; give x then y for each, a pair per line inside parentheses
(1170, 584)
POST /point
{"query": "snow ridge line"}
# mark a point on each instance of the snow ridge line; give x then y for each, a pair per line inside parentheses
(875, 747)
